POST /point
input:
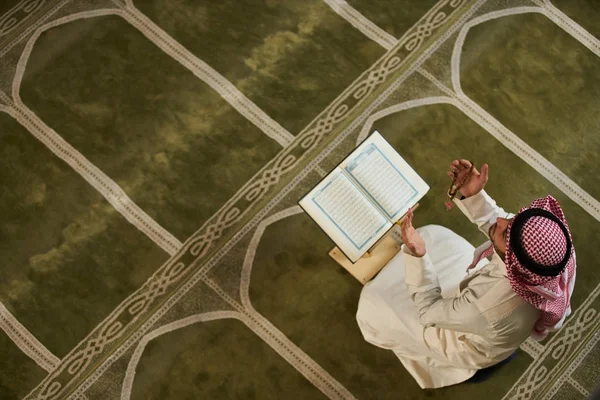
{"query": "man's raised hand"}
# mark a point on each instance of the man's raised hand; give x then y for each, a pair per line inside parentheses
(411, 237)
(476, 182)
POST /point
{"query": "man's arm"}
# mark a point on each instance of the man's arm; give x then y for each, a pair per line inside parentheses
(458, 314)
(482, 210)
(475, 203)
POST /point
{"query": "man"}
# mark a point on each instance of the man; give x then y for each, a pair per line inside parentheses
(445, 328)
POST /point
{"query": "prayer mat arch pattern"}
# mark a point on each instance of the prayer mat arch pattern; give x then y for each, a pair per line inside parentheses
(473, 139)
(224, 278)
(234, 374)
(547, 103)
(181, 143)
(228, 217)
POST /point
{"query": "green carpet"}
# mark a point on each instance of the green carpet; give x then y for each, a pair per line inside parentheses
(8, 5)
(585, 13)
(547, 103)
(17, 381)
(291, 58)
(395, 17)
(251, 306)
(302, 291)
(165, 139)
(68, 255)
(211, 360)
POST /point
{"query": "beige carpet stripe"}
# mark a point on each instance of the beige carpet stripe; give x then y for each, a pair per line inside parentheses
(294, 355)
(22, 64)
(533, 348)
(206, 73)
(32, 27)
(176, 296)
(95, 177)
(515, 144)
(5, 20)
(26, 341)
(200, 69)
(78, 396)
(253, 246)
(583, 391)
(536, 375)
(503, 134)
(173, 326)
(368, 126)
(312, 371)
(319, 170)
(570, 26)
(364, 25)
(458, 45)
(567, 375)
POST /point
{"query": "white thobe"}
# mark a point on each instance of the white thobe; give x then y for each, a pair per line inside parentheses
(446, 326)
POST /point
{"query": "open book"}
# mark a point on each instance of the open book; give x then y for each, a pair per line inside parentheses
(364, 196)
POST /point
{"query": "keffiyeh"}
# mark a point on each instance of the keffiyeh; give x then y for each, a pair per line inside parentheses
(540, 262)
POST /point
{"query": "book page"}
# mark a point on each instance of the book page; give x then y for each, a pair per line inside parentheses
(385, 177)
(345, 214)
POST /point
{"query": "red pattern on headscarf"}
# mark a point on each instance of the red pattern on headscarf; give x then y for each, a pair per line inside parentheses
(545, 243)
(481, 253)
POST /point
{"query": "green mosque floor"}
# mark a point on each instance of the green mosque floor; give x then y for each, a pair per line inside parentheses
(176, 148)
(211, 360)
(17, 381)
(181, 152)
(291, 58)
(7, 5)
(55, 243)
(585, 13)
(549, 104)
(395, 17)
(306, 294)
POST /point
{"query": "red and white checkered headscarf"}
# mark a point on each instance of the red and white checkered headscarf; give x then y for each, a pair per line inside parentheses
(540, 262)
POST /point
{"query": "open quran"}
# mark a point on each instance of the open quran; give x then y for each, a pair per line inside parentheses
(358, 202)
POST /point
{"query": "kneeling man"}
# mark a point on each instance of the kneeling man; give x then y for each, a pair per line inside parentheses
(444, 328)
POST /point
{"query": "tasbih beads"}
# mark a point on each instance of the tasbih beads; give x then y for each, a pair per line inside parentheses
(456, 185)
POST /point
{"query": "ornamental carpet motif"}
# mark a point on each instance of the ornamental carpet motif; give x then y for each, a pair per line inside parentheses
(153, 153)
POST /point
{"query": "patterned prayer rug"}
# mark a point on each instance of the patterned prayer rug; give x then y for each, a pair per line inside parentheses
(153, 153)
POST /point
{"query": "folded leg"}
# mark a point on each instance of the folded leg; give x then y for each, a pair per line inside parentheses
(386, 314)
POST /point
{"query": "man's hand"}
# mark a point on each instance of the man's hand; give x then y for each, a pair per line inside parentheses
(476, 182)
(411, 237)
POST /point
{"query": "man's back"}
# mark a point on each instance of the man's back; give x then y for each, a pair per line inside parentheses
(444, 336)
(449, 347)
(479, 325)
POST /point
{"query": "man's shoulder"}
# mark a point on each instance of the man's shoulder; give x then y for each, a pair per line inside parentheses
(500, 301)
(491, 284)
